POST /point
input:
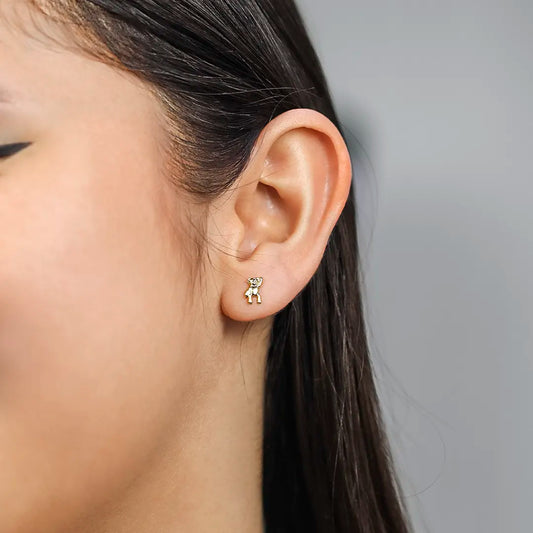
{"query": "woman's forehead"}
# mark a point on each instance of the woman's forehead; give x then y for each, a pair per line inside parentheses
(30, 23)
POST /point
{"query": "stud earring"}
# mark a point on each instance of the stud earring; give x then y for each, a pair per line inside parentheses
(253, 289)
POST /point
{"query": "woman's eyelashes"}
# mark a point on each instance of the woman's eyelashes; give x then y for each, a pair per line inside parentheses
(7, 150)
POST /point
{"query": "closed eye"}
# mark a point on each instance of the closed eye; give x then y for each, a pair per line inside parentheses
(8, 150)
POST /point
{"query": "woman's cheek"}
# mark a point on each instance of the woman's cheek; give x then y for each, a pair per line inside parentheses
(87, 372)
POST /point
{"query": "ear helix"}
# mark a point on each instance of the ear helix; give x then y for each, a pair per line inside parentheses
(253, 289)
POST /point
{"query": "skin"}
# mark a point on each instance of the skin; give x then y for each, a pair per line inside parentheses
(128, 402)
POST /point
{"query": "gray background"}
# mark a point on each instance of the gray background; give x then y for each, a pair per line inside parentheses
(440, 93)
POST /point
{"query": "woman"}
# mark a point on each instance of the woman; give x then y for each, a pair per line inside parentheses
(182, 343)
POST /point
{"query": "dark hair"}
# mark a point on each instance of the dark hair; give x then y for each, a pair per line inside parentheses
(222, 70)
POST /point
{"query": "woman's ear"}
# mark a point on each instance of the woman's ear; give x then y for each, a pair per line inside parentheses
(275, 222)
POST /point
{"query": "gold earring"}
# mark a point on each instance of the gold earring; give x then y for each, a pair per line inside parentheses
(253, 289)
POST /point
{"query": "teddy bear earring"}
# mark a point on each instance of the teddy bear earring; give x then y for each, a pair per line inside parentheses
(253, 289)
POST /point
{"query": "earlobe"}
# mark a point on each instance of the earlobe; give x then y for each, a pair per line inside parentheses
(281, 213)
